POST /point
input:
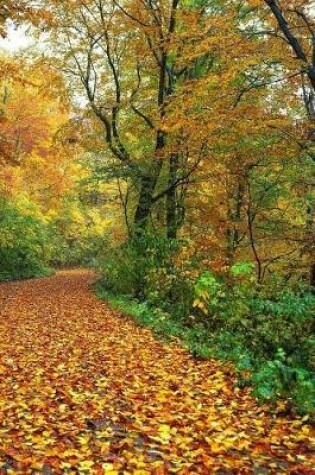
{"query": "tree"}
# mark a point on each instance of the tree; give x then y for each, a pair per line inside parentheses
(132, 61)
(121, 59)
(297, 25)
(194, 98)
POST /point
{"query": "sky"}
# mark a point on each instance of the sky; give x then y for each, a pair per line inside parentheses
(16, 39)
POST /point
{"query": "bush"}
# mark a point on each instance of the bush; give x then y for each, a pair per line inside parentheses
(24, 244)
(145, 268)
(270, 338)
(261, 324)
(124, 269)
(278, 377)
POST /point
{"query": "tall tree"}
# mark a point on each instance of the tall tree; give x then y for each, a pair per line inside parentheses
(296, 23)
(121, 56)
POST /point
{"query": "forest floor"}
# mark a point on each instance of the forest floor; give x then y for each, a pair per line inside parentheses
(85, 390)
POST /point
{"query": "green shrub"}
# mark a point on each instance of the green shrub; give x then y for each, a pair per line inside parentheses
(278, 377)
(24, 244)
(145, 268)
(270, 338)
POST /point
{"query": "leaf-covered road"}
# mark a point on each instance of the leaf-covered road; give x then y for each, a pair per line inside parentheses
(84, 390)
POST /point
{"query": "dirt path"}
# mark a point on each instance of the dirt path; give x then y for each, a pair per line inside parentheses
(83, 390)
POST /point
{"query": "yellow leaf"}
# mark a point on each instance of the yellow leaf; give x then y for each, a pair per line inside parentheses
(65, 465)
(87, 465)
(141, 472)
(164, 428)
(108, 466)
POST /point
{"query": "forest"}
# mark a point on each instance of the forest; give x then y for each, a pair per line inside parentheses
(165, 150)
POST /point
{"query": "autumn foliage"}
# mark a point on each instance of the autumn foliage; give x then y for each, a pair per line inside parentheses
(169, 145)
(84, 390)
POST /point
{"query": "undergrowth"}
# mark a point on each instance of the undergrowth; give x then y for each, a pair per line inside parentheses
(267, 333)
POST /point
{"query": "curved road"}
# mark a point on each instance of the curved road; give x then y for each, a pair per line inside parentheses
(84, 390)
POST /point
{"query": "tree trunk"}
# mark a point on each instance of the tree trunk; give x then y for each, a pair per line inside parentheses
(147, 187)
(234, 218)
(171, 201)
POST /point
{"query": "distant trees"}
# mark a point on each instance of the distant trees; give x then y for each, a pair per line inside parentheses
(44, 175)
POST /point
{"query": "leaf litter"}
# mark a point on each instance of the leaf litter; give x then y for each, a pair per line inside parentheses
(83, 390)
